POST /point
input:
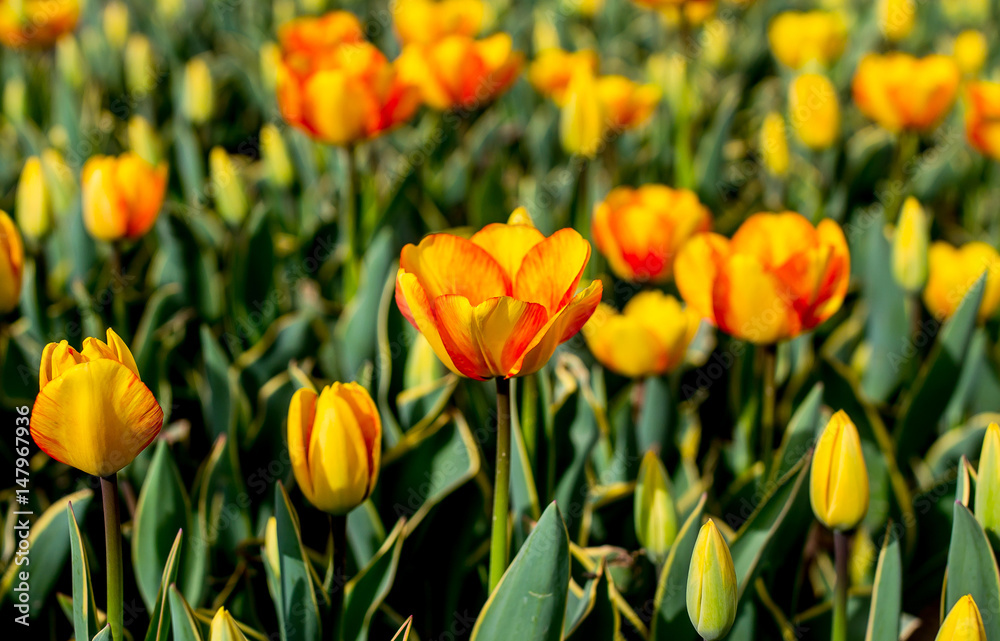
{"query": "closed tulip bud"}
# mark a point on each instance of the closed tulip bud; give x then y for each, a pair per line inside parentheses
(335, 445)
(92, 411)
(122, 195)
(774, 144)
(711, 584)
(909, 246)
(169, 10)
(982, 114)
(69, 60)
(901, 92)
(224, 627)
(581, 123)
(669, 73)
(142, 139)
(141, 73)
(951, 271)
(971, 50)
(896, 18)
(60, 180)
(814, 110)
(116, 24)
(798, 38)
(551, 71)
(427, 21)
(14, 92)
(227, 187)
(271, 554)
(963, 623)
(11, 264)
(987, 506)
(36, 23)
(655, 516)
(961, 12)
(838, 480)
(718, 36)
(32, 206)
(198, 95)
(274, 153)
(270, 59)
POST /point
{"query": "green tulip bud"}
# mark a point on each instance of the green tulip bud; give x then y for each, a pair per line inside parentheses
(711, 585)
(655, 516)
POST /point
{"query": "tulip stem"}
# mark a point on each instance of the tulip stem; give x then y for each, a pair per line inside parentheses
(840, 544)
(338, 528)
(501, 487)
(767, 409)
(113, 544)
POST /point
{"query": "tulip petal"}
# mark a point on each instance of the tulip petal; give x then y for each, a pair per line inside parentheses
(121, 351)
(364, 410)
(414, 305)
(95, 416)
(623, 344)
(559, 329)
(774, 238)
(508, 244)
(695, 271)
(105, 215)
(551, 270)
(332, 107)
(337, 454)
(301, 414)
(750, 302)
(446, 264)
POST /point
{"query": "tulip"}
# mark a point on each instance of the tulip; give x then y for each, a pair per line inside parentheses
(777, 277)
(11, 264)
(551, 71)
(224, 627)
(270, 60)
(498, 304)
(198, 95)
(581, 123)
(459, 72)
(838, 480)
(228, 192)
(952, 271)
(655, 516)
(116, 24)
(650, 336)
(711, 584)
(33, 207)
(963, 623)
(774, 144)
(798, 38)
(121, 195)
(987, 506)
(814, 110)
(982, 118)
(36, 23)
(660, 5)
(69, 60)
(14, 93)
(901, 92)
(92, 411)
(970, 51)
(909, 246)
(640, 230)
(624, 103)
(141, 73)
(959, 12)
(142, 139)
(271, 554)
(60, 181)
(427, 21)
(896, 18)
(335, 445)
(680, 13)
(274, 153)
(669, 73)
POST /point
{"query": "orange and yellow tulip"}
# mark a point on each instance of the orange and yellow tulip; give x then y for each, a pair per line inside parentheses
(814, 110)
(838, 478)
(640, 230)
(551, 71)
(593, 106)
(337, 87)
(982, 117)
(36, 23)
(499, 303)
(901, 92)
(460, 72)
(335, 445)
(777, 277)
(122, 195)
(427, 21)
(660, 5)
(951, 271)
(648, 338)
(798, 38)
(963, 623)
(11, 263)
(626, 104)
(92, 411)
(774, 144)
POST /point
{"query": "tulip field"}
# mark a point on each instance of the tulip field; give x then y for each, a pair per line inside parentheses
(481, 320)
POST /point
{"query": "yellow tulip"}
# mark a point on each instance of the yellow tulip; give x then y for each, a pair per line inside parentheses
(650, 336)
(901, 92)
(896, 18)
(774, 144)
(626, 104)
(142, 139)
(711, 584)
(963, 623)
(798, 38)
(838, 480)
(987, 506)
(426, 21)
(270, 59)
(970, 51)
(32, 206)
(198, 95)
(335, 445)
(274, 153)
(909, 246)
(581, 123)
(141, 72)
(224, 627)
(92, 411)
(271, 554)
(69, 60)
(814, 110)
(11, 264)
(551, 71)
(121, 196)
(952, 271)
(227, 187)
(116, 23)
(655, 516)
(36, 23)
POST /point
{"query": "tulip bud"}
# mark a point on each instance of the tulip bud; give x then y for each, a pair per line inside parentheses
(669, 73)
(32, 206)
(335, 445)
(581, 123)
(142, 139)
(971, 50)
(198, 96)
(275, 156)
(774, 144)
(230, 199)
(224, 628)
(270, 58)
(711, 585)
(14, 92)
(169, 10)
(959, 12)
(963, 623)
(11, 264)
(988, 482)
(69, 60)
(141, 74)
(896, 18)
(60, 180)
(116, 24)
(655, 516)
(838, 480)
(122, 195)
(271, 547)
(814, 110)
(909, 246)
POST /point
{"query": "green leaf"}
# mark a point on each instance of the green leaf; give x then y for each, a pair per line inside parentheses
(159, 620)
(104, 634)
(218, 394)
(364, 593)
(84, 605)
(801, 433)
(529, 603)
(670, 619)
(887, 592)
(365, 532)
(182, 618)
(972, 569)
(299, 610)
(579, 603)
(656, 416)
(354, 332)
(602, 619)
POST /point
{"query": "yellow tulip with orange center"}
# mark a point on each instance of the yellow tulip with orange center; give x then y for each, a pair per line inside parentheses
(122, 195)
(901, 92)
(499, 303)
(36, 23)
(426, 21)
(640, 230)
(982, 117)
(951, 271)
(93, 412)
(799, 38)
(11, 263)
(778, 276)
(552, 69)
(649, 337)
(335, 86)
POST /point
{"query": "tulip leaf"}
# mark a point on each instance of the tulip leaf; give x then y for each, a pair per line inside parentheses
(357, 341)
(579, 603)
(801, 433)
(602, 619)
(364, 593)
(965, 440)
(182, 618)
(84, 604)
(964, 483)
(104, 634)
(523, 491)
(218, 392)
(299, 610)
(670, 618)
(159, 619)
(418, 406)
(656, 416)
(529, 603)
(287, 339)
(972, 569)
(887, 593)
(365, 532)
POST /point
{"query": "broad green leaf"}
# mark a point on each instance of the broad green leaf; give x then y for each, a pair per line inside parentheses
(670, 618)
(104, 634)
(656, 416)
(159, 620)
(354, 332)
(184, 624)
(84, 605)
(365, 532)
(364, 593)
(218, 393)
(601, 620)
(887, 593)
(972, 569)
(299, 609)
(579, 603)
(801, 433)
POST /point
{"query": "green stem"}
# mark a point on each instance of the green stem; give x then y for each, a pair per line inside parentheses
(118, 296)
(684, 168)
(767, 408)
(840, 544)
(349, 221)
(113, 543)
(501, 487)
(898, 179)
(338, 529)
